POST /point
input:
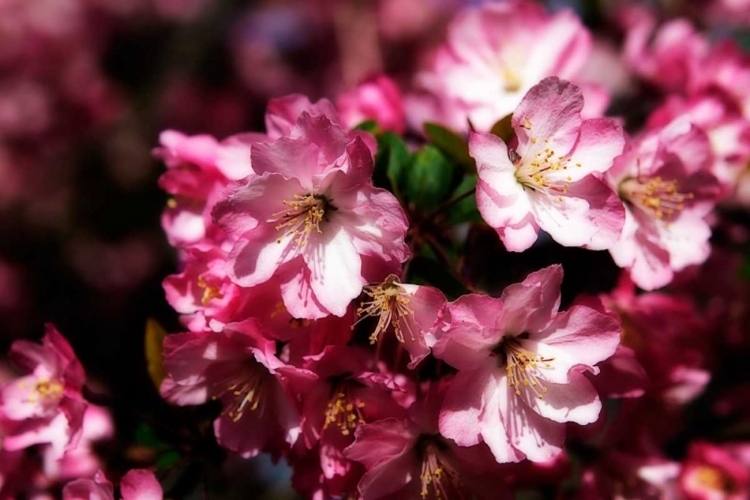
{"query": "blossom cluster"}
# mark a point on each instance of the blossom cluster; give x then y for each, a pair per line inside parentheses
(342, 310)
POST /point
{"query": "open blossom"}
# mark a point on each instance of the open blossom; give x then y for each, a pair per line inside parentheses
(407, 458)
(493, 56)
(548, 181)
(137, 484)
(312, 218)
(45, 406)
(728, 132)
(412, 310)
(665, 182)
(346, 396)
(242, 371)
(712, 472)
(520, 368)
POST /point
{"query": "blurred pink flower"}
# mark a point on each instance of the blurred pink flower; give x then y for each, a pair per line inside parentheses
(377, 98)
(45, 406)
(493, 56)
(137, 484)
(710, 472)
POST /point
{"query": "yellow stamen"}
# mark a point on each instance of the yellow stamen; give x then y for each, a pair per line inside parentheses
(439, 479)
(524, 368)
(247, 391)
(655, 196)
(305, 214)
(390, 304)
(209, 292)
(344, 411)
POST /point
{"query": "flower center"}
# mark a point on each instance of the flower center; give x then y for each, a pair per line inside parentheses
(535, 174)
(512, 80)
(524, 368)
(246, 390)
(711, 479)
(47, 390)
(390, 304)
(304, 214)
(439, 478)
(209, 292)
(656, 197)
(344, 411)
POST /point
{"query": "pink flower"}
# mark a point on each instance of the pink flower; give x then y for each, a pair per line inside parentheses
(493, 56)
(664, 180)
(377, 98)
(202, 292)
(666, 56)
(82, 461)
(413, 311)
(725, 67)
(710, 473)
(137, 484)
(617, 474)
(669, 339)
(520, 368)
(728, 132)
(548, 180)
(242, 371)
(408, 458)
(194, 181)
(45, 406)
(346, 396)
(312, 218)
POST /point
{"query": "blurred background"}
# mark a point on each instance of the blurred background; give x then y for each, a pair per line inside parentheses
(85, 88)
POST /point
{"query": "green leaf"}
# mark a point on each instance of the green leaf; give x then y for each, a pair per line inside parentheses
(429, 179)
(369, 126)
(167, 459)
(391, 163)
(503, 128)
(453, 145)
(153, 349)
(465, 210)
(145, 435)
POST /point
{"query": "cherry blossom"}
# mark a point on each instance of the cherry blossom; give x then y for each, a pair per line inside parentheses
(549, 180)
(520, 368)
(413, 311)
(45, 406)
(312, 218)
(665, 182)
(242, 371)
(493, 56)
